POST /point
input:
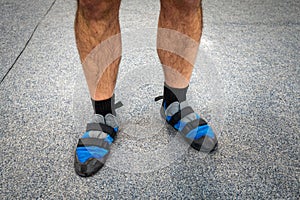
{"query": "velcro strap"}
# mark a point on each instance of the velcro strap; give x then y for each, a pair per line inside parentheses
(192, 125)
(180, 115)
(159, 98)
(119, 104)
(85, 142)
(101, 127)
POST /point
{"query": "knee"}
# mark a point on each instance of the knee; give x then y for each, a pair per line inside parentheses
(98, 9)
(181, 5)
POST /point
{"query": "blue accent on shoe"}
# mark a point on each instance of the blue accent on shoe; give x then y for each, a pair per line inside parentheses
(168, 118)
(165, 105)
(200, 131)
(86, 135)
(116, 129)
(180, 125)
(109, 139)
(85, 153)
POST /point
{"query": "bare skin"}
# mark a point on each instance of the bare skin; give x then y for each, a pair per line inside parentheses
(184, 16)
(97, 20)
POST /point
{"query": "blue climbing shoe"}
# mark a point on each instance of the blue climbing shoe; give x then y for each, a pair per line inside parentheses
(93, 147)
(190, 125)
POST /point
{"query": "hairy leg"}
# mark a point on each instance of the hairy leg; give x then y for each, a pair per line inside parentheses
(179, 33)
(98, 39)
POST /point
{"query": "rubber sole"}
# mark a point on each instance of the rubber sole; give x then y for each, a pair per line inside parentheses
(89, 168)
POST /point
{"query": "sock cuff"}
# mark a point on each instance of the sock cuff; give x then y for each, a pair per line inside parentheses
(104, 107)
(175, 94)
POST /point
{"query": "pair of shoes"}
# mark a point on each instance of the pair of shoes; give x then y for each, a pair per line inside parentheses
(93, 147)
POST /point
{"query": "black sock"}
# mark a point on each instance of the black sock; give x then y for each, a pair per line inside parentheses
(174, 94)
(104, 107)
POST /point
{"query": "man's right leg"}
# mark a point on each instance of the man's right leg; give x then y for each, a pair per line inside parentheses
(98, 39)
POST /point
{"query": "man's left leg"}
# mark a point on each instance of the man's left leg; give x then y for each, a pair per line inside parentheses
(178, 39)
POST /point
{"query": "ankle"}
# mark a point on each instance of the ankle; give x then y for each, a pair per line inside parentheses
(104, 107)
(174, 94)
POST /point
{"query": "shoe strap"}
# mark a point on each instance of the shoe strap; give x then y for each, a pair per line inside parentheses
(158, 98)
(85, 142)
(119, 104)
(101, 127)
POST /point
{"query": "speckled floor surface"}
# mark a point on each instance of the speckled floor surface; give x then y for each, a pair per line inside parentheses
(245, 83)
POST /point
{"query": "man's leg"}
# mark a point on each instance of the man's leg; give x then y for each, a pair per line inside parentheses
(98, 39)
(178, 39)
(97, 29)
(180, 29)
